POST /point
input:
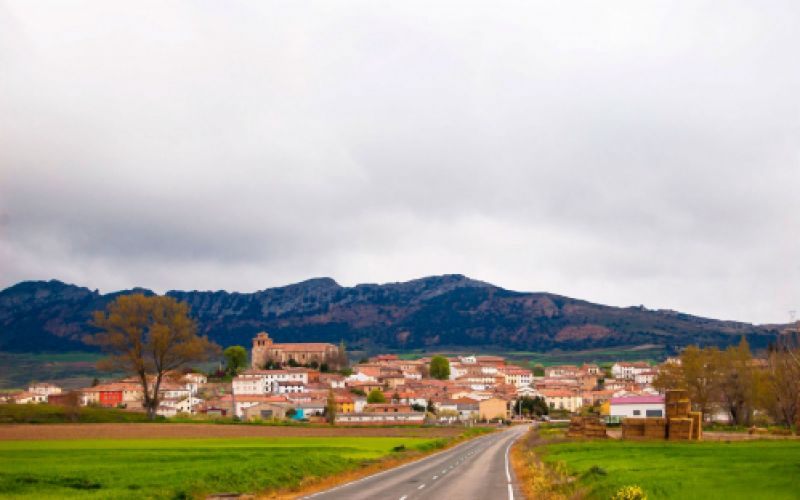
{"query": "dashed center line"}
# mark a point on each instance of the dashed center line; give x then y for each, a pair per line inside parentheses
(435, 478)
(421, 486)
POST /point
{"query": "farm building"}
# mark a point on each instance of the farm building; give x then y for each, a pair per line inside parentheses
(637, 406)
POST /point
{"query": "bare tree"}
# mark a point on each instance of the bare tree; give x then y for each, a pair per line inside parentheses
(149, 336)
(783, 379)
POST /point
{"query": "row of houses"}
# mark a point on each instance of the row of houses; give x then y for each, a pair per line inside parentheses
(477, 388)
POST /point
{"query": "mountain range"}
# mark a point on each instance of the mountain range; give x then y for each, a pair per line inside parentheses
(432, 313)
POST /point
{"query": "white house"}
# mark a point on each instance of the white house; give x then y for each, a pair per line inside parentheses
(193, 381)
(45, 389)
(359, 377)
(266, 381)
(518, 377)
(290, 387)
(637, 406)
(644, 378)
(628, 371)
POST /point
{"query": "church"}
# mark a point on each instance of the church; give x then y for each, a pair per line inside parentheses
(264, 349)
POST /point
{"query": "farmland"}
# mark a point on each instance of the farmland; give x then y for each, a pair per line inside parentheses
(709, 470)
(184, 467)
(200, 430)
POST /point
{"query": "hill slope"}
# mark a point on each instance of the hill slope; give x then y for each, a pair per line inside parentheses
(434, 312)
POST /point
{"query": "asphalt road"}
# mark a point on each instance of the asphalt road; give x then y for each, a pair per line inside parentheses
(477, 469)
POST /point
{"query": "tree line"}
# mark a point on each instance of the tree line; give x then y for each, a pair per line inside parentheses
(748, 388)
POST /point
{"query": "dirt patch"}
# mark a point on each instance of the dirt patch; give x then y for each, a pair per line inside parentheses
(157, 431)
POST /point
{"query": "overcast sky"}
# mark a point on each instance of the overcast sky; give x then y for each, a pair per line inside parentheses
(621, 152)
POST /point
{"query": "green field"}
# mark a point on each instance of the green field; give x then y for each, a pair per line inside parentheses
(68, 369)
(181, 468)
(707, 470)
(652, 354)
(55, 414)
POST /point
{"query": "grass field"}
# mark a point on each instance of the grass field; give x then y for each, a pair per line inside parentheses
(652, 354)
(51, 414)
(707, 470)
(182, 468)
(69, 369)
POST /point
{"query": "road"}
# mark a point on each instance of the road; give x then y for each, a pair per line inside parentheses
(477, 469)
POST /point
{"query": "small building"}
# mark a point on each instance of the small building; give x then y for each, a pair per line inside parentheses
(559, 399)
(44, 388)
(345, 404)
(518, 377)
(314, 408)
(492, 408)
(27, 397)
(387, 408)
(637, 406)
(266, 411)
(628, 371)
(290, 387)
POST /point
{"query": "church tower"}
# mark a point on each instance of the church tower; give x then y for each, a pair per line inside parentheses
(260, 353)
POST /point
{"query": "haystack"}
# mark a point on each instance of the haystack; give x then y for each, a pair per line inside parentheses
(697, 425)
(680, 429)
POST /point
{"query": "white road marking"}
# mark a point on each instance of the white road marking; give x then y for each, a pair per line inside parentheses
(508, 473)
(435, 478)
(421, 486)
(510, 492)
(389, 471)
(403, 497)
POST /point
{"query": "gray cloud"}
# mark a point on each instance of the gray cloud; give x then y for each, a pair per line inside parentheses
(624, 153)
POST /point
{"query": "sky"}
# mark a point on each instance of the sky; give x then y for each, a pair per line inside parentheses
(621, 152)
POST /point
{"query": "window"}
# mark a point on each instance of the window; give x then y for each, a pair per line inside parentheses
(654, 413)
(637, 412)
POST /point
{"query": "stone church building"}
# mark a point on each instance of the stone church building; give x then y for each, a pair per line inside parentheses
(265, 349)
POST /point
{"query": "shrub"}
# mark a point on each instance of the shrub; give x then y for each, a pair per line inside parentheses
(631, 492)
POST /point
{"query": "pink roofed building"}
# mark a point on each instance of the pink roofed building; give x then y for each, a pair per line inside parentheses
(637, 406)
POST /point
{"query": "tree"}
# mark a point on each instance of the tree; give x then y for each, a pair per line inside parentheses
(342, 359)
(72, 406)
(235, 358)
(330, 407)
(781, 397)
(532, 406)
(736, 383)
(430, 408)
(149, 337)
(376, 396)
(697, 372)
(440, 368)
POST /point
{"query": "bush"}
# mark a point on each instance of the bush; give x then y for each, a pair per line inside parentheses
(632, 492)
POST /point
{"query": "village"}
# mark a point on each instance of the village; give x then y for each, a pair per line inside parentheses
(305, 381)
